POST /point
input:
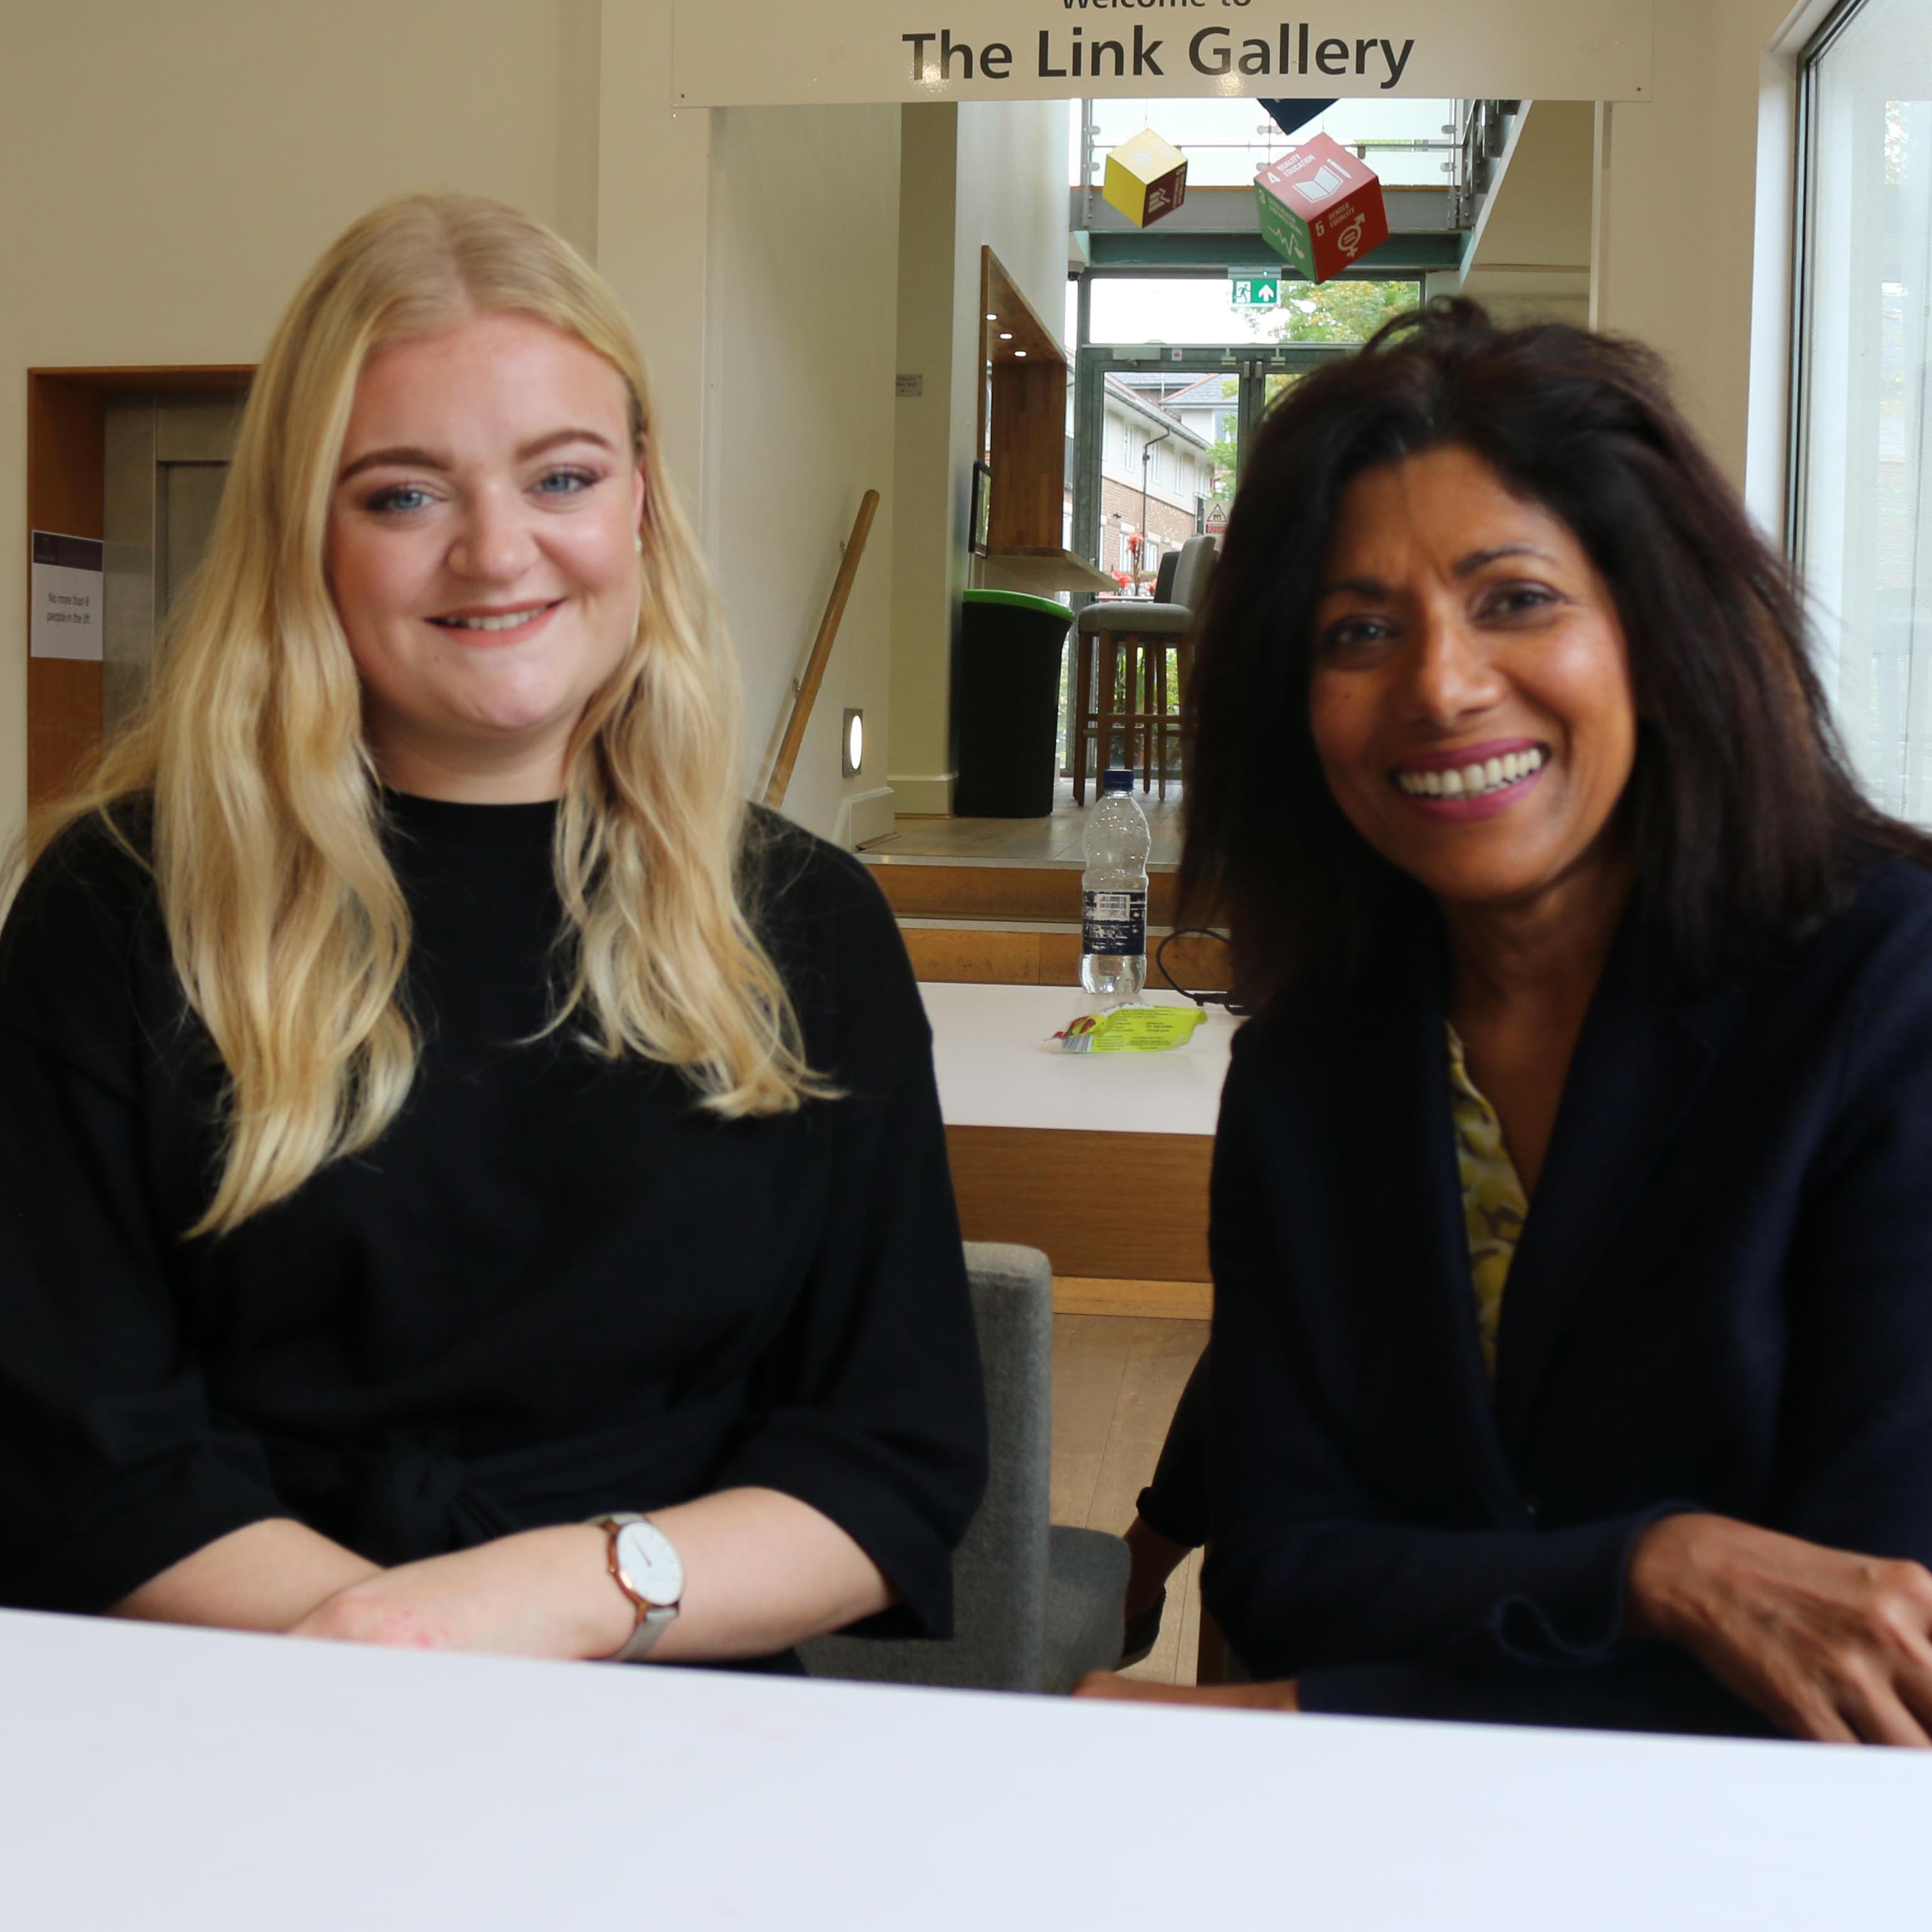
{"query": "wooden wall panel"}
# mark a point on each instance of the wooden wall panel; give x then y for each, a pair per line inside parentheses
(66, 414)
(1200, 963)
(1029, 457)
(977, 956)
(981, 956)
(1024, 385)
(1164, 1300)
(1002, 892)
(1126, 1207)
(64, 494)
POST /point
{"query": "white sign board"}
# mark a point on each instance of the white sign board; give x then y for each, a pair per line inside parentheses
(775, 53)
(65, 592)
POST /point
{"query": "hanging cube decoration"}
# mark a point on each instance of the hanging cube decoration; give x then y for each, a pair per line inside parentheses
(1147, 177)
(1321, 209)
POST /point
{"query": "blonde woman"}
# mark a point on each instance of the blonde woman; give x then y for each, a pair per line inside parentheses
(466, 1181)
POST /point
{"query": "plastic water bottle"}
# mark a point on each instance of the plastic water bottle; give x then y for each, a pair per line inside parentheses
(1113, 891)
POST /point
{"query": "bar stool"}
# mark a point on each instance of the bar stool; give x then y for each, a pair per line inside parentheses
(1191, 579)
(1127, 643)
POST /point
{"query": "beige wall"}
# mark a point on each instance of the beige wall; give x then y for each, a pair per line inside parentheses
(1677, 237)
(1529, 257)
(1682, 215)
(243, 137)
(170, 172)
(653, 209)
(991, 174)
(928, 531)
(803, 322)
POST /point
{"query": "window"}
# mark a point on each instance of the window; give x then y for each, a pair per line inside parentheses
(1862, 494)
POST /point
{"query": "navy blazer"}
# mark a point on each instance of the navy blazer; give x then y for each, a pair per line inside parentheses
(1722, 1301)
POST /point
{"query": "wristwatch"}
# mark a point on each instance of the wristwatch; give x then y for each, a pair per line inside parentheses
(645, 1567)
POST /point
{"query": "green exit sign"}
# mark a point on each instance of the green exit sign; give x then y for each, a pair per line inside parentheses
(1260, 290)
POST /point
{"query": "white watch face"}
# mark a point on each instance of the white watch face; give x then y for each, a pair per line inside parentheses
(650, 1563)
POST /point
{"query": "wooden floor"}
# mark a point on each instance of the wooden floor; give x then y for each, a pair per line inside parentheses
(1053, 840)
(1116, 1380)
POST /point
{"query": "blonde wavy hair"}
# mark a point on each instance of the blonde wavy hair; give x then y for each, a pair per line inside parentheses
(288, 929)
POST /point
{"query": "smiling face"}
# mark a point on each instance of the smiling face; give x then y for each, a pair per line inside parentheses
(1470, 699)
(482, 552)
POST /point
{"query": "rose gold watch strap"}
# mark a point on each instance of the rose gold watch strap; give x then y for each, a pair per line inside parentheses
(653, 1619)
(641, 1605)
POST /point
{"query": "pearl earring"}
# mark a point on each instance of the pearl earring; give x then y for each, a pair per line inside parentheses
(637, 544)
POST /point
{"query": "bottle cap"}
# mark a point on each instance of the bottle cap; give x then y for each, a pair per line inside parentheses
(1117, 778)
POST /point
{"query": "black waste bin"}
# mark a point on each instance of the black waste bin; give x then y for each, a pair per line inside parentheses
(1006, 704)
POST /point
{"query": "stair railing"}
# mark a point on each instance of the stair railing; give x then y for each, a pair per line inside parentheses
(805, 688)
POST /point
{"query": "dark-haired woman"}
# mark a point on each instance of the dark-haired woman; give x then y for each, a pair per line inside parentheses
(1572, 1221)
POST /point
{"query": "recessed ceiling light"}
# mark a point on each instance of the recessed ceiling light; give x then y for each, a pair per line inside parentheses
(1021, 353)
(1006, 335)
(991, 316)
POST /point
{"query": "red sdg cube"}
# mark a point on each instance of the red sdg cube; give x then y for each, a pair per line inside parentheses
(1321, 207)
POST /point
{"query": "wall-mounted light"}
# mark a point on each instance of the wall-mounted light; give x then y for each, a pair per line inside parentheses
(852, 746)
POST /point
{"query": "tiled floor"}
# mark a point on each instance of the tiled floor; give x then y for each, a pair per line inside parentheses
(1053, 840)
(1116, 1380)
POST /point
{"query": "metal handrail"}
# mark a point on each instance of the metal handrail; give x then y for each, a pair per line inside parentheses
(1481, 129)
(1473, 140)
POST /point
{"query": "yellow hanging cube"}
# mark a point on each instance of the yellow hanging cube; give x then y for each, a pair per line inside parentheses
(1147, 177)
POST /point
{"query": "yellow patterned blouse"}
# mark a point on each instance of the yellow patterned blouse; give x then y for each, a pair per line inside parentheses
(1493, 1202)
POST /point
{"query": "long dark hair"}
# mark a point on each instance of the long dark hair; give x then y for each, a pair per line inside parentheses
(1741, 813)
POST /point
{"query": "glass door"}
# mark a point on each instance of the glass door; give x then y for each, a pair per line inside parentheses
(1158, 433)
(1158, 437)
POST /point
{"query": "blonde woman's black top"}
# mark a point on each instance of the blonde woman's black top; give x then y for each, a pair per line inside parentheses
(555, 1286)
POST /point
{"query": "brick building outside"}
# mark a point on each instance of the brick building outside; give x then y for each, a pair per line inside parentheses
(1178, 473)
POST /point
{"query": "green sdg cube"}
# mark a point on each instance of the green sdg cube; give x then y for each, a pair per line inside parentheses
(1321, 209)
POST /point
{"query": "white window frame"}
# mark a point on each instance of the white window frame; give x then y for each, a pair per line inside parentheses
(1833, 524)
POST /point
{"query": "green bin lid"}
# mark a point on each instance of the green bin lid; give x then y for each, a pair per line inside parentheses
(1045, 606)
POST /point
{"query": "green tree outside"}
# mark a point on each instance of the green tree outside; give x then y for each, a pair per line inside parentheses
(1338, 311)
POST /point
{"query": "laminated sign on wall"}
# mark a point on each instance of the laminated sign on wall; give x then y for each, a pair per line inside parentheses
(65, 592)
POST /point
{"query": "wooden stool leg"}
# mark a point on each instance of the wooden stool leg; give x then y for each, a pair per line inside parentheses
(1160, 718)
(1103, 736)
(1148, 650)
(1137, 678)
(1183, 686)
(1079, 711)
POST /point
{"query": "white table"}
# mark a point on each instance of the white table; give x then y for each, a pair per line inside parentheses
(171, 1780)
(1099, 1160)
(1000, 1066)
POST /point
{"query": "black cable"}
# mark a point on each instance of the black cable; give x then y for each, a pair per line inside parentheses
(1200, 999)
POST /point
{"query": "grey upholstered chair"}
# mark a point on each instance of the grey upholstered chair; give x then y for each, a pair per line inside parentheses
(1142, 633)
(1037, 1605)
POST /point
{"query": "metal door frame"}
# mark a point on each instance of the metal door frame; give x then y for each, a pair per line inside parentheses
(1251, 363)
(146, 435)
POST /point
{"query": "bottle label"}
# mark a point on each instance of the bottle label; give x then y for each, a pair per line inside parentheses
(1114, 923)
